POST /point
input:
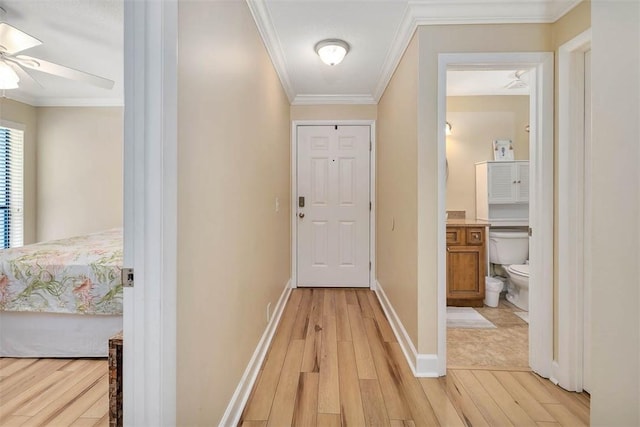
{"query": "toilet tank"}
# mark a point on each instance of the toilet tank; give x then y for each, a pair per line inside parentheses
(508, 247)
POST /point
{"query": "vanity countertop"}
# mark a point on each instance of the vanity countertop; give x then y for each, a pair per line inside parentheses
(467, 222)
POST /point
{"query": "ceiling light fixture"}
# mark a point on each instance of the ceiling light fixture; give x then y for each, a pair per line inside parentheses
(332, 51)
(8, 77)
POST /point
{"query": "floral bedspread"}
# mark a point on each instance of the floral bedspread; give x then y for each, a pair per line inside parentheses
(75, 275)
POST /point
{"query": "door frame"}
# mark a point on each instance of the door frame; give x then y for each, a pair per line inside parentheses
(572, 259)
(294, 184)
(150, 211)
(540, 201)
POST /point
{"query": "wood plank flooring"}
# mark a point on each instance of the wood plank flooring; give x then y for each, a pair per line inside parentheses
(54, 392)
(335, 361)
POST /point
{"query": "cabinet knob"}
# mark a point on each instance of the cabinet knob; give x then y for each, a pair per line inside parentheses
(515, 182)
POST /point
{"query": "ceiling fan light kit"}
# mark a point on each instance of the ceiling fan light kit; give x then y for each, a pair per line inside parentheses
(8, 77)
(332, 51)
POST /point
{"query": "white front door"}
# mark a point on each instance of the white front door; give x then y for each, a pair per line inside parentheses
(333, 206)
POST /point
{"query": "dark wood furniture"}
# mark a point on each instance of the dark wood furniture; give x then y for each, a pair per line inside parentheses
(466, 263)
(115, 380)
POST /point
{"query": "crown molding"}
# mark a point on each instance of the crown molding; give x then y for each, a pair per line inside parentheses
(269, 35)
(333, 99)
(400, 42)
(417, 12)
(67, 102)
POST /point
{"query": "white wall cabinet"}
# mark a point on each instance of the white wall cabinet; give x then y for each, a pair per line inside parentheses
(502, 192)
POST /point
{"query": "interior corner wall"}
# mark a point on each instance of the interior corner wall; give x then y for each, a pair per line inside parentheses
(233, 162)
(396, 184)
(615, 213)
(476, 122)
(433, 40)
(566, 28)
(80, 170)
(334, 112)
(26, 115)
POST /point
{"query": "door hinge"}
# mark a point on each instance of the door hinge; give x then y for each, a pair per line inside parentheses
(530, 231)
(369, 265)
(127, 277)
(369, 205)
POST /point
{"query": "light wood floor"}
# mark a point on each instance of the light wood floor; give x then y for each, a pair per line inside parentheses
(54, 392)
(335, 361)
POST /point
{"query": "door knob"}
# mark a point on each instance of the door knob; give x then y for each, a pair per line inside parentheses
(301, 214)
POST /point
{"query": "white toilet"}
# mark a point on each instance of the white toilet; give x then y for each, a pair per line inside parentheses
(510, 249)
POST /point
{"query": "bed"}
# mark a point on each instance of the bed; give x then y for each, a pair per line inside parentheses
(61, 298)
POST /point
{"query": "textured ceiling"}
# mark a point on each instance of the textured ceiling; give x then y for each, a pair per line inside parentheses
(88, 35)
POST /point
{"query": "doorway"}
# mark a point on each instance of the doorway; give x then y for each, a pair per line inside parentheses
(487, 195)
(541, 195)
(333, 210)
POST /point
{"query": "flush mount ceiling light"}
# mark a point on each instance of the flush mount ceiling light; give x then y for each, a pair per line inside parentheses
(332, 51)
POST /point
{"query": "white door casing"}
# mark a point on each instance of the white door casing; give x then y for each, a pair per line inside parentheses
(333, 226)
(586, 229)
(540, 65)
(573, 215)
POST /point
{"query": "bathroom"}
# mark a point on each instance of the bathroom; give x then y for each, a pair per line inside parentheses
(487, 121)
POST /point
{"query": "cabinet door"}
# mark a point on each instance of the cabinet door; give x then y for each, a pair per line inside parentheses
(502, 182)
(465, 272)
(522, 183)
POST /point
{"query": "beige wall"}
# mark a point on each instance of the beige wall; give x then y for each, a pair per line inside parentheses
(450, 39)
(396, 183)
(477, 121)
(615, 320)
(79, 159)
(334, 112)
(569, 26)
(233, 161)
(26, 115)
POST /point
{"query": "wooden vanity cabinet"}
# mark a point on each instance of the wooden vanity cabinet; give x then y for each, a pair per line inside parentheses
(466, 265)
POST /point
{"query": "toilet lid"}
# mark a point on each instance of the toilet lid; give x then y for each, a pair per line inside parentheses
(523, 269)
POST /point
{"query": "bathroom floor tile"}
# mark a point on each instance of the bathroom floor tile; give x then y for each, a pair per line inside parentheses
(505, 346)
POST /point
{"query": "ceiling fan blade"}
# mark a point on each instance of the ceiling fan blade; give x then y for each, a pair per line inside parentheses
(25, 75)
(12, 40)
(62, 71)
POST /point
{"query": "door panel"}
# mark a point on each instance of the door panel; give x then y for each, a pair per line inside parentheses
(333, 225)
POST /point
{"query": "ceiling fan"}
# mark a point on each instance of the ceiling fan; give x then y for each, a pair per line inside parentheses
(13, 65)
(517, 82)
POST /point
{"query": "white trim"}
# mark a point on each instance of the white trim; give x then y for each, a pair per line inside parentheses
(425, 12)
(64, 102)
(372, 190)
(541, 201)
(240, 397)
(422, 365)
(13, 125)
(571, 188)
(333, 99)
(262, 17)
(150, 211)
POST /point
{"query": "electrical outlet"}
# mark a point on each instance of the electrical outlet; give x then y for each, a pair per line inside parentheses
(268, 312)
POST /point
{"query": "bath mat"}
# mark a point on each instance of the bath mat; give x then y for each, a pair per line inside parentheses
(466, 317)
(524, 315)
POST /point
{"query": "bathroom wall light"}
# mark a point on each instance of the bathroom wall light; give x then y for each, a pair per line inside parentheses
(447, 128)
(332, 51)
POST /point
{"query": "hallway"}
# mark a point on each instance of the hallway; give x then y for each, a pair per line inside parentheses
(335, 361)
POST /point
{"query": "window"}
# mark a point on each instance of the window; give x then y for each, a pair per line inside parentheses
(11, 187)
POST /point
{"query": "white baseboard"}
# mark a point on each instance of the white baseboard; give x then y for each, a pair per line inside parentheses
(555, 372)
(239, 399)
(422, 365)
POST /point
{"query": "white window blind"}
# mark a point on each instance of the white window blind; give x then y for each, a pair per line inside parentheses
(11, 187)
